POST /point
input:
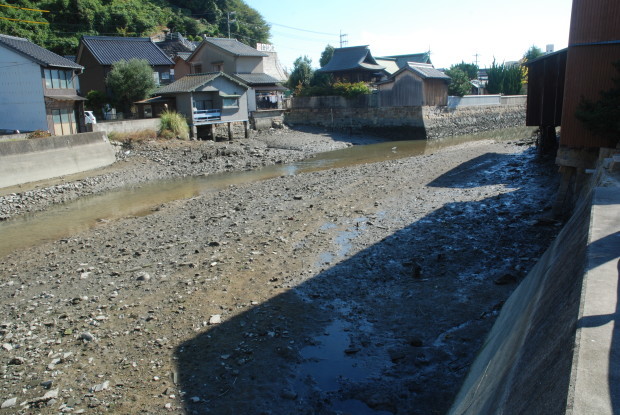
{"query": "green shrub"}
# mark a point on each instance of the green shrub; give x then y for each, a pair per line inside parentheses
(344, 89)
(175, 123)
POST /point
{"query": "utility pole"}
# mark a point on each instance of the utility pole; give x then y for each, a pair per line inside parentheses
(476, 56)
(229, 21)
(343, 39)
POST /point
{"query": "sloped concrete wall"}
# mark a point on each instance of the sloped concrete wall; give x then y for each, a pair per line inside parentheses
(26, 161)
(547, 353)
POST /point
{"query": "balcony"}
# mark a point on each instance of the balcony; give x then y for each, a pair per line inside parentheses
(207, 116)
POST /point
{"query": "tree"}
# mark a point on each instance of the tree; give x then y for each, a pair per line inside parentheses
(603, 116)
(326, 55)
(130, 81)
(495, 84)
(513, 76)
(301, 74)
(470, 69)
(459, 82)
(532, 53)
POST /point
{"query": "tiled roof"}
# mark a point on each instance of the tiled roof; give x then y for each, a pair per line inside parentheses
(390, 64)
(402, 60)
(192, 82)
(426, 71)
(256, 78)
(234, 47)
(352, 58)
(109, 49)
(36, 53)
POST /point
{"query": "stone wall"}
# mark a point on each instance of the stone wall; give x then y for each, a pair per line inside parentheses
(411, 122)
(127, 126)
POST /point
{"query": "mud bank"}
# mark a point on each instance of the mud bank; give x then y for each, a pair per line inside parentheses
(232, 301)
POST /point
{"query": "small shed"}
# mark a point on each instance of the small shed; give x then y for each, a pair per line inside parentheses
(415, 84)
(207, 99)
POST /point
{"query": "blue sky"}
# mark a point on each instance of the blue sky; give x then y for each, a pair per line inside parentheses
(454, 30)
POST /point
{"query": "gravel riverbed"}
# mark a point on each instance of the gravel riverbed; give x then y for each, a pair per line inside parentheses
(359, 290)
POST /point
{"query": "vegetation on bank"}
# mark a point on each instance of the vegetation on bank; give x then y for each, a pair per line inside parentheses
(57, 25)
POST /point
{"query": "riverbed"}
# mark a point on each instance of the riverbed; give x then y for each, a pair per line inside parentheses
(363, 289)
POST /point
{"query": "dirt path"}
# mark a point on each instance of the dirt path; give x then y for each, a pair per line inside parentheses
(364, 290)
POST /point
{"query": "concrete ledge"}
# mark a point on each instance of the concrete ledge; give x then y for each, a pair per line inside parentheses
(595, 385)
(38, 159)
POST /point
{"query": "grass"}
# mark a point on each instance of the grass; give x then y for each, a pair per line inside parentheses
(173, 124)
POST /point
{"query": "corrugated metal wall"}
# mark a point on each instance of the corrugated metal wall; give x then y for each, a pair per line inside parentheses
(589, 67)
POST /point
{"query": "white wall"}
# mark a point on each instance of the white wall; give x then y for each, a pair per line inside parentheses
(22, 106)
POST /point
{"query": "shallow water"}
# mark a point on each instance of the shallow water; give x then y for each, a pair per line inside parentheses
(62, 221)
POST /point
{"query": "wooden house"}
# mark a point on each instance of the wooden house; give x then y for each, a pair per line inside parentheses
(415, 84)
(207, 99)
(97, 54)
(39, 89)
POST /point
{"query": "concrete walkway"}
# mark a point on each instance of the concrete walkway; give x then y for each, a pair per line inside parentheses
(595, 384)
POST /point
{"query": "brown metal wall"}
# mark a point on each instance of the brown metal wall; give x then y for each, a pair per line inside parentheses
(546, 90)
(594, 21)
(589, 68)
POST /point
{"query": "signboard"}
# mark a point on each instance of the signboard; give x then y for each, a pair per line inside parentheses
(265, 47)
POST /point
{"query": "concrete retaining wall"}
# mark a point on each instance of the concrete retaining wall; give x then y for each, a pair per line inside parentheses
(26, 161)
(127, 126)
(412, 122)
(554, 349)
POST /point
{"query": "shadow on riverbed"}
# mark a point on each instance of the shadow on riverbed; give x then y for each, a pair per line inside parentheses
(392, 328)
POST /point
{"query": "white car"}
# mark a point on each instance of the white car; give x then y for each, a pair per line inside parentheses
(89, 117)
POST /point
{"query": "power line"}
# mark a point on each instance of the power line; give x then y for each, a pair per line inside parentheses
(24, 8)
(303, 30)
(20, 20)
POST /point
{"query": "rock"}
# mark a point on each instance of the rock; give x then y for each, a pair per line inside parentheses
(100, 387)
(87, 337)
(47, 384)
(17, 361)
(53, 394)
(143, 276)
(505, 279)
(7, 346)
(9, 403)
(288, 394)
(215, 319)
(194, 399)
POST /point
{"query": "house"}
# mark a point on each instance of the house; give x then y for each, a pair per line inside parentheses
(39, 89)
(178, 49)
(354, 64)
(207, 99)
(394, 63)
(97, 54)
(242, 62)
(415, 84)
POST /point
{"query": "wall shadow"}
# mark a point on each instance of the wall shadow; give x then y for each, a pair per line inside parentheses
(397, 323)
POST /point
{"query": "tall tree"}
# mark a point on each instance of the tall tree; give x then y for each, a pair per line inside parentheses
(470, 69)
(459, 82)
(301, 74)
(130, 81)
(532, 53)
(326, 55)
(495, 84)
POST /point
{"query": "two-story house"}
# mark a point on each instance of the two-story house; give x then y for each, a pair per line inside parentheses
(97, 54)
(38, 89)
(242, 62)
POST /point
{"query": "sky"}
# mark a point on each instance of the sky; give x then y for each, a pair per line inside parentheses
(453, 30)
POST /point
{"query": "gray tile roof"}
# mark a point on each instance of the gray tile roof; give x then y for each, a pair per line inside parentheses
(427, 71)
(256, 78)
(36, 53)
(352, 58)
(234, 47)
(110, 49)
(192, 82)
(402, 60)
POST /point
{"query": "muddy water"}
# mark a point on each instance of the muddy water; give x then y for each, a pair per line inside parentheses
(61, 221)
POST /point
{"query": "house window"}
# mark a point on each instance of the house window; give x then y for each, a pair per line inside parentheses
(58, 79)
(218, 66)
(156, 78)
(197, 67)
(165, 75)
(230, 102)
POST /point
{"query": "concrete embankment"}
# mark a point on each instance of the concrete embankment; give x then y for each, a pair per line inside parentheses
(24, 161)
(554, 348)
